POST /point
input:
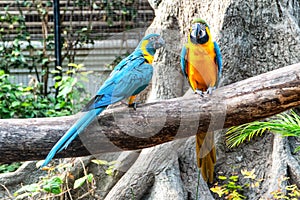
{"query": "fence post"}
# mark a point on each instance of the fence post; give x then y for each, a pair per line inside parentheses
(57, 38)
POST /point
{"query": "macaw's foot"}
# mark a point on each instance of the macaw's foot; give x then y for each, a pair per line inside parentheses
(200, 92)
(210, 90)
(133, 105)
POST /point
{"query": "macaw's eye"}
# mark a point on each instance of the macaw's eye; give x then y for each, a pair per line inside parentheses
(152, 38)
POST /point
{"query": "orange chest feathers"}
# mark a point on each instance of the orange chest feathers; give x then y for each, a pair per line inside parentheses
(201, 67)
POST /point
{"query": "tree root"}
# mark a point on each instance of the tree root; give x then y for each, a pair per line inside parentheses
(26, 174)
(293, 164)
(277, 172)
(162, 172)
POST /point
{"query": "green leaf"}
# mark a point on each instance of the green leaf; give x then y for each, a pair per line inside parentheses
(6, 8)
(234, 178)
(223, 178)
(65, 90)
(232, 186)
(297, 149)
(79, 182)
(49, 4)
(90, 177)
(2, 72)
(53, 185)
(55, 72)
(60, 105)
(45, 60)
(110, 171)
(15, 103)
(16, 42)
(72, 65)
(26, 104)
(100, 162)
(27, 89)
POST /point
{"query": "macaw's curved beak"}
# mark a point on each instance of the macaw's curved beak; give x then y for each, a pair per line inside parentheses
(159, 43)
(198, 31)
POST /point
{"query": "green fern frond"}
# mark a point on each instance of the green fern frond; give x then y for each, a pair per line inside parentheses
(237, 135)
(297, 117)
(285, 124)
(297, 149)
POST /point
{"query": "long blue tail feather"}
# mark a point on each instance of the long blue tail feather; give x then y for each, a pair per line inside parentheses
(72, 133)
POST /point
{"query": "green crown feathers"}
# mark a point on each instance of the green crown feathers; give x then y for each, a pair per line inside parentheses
(199, 20)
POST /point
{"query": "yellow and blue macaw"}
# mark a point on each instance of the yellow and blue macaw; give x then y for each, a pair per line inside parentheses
(201, 64)
(131, 76)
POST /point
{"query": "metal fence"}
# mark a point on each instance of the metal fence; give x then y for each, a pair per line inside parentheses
(113, 30)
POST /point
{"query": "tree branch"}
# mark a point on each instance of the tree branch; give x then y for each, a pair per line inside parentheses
(122, 128)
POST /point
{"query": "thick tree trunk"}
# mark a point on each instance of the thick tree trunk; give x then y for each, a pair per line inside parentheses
(156, 123)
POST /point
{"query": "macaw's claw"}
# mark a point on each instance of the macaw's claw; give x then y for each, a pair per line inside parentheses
(200, 92)
(133, 105)
(210, 90)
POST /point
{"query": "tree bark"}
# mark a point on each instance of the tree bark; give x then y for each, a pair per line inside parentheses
(158, 122)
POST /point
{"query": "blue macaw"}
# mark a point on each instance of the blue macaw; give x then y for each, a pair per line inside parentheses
(201, 64)
(131, 76)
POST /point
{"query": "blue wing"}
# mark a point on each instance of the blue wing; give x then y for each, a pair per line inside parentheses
(131, 80)
(218, 59)
(183, 61)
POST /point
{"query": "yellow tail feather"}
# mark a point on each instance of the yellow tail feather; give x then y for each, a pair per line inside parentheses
(206, 155)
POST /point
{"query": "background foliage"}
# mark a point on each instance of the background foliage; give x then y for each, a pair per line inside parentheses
(18, 50)
(17, 101)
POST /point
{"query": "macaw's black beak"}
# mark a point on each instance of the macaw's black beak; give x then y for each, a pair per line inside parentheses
(201, 33)
(198, 31)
